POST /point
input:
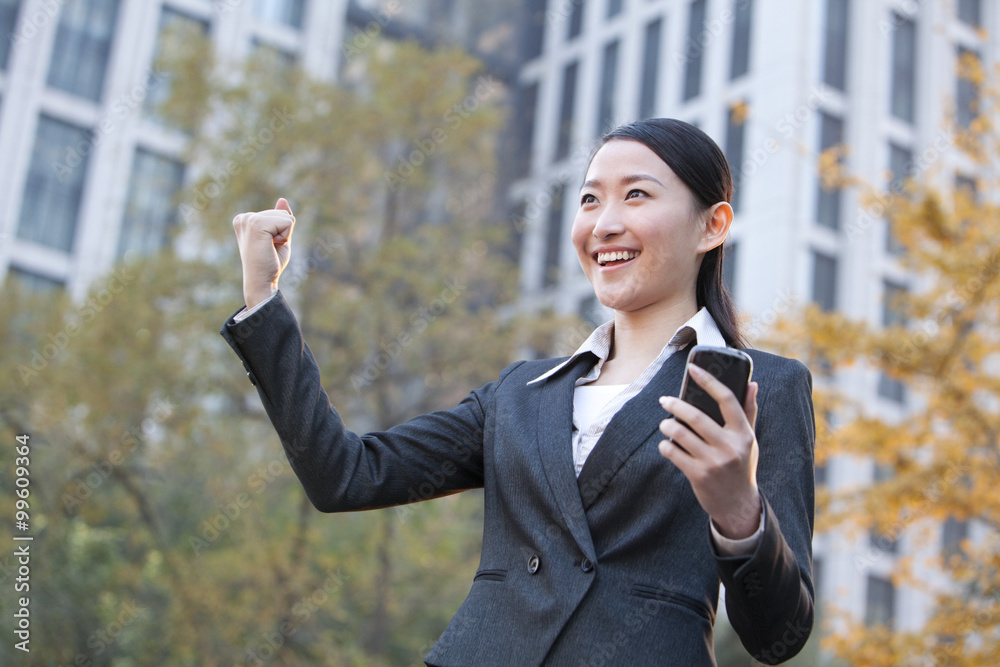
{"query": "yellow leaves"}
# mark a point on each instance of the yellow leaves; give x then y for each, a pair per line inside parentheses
(936, 456)
(739, 112)
(970, 68)
(831, 168)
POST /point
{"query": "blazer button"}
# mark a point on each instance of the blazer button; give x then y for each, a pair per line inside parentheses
(533, 564)
(586, 565)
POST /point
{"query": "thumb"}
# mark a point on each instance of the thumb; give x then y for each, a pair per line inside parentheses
(282, 205)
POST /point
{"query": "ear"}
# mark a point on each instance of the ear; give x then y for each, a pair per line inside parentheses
(719, 219)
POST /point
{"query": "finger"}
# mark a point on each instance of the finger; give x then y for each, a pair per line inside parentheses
(684, 437)
(674, 452)
(723, 395)
(282, 205)
(750, 404)
(689, 419)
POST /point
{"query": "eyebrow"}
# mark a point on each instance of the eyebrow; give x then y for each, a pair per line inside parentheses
(626, 180)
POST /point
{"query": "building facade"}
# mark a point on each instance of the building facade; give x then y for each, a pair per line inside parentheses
(775, 83)
(90, 173)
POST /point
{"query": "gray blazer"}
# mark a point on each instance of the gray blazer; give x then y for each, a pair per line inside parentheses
(614, 568)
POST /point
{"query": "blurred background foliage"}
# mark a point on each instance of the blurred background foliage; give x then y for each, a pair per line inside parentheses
(169, 528)
(938, 466)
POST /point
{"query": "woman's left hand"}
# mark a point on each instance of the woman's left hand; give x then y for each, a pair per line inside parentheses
(721, 465)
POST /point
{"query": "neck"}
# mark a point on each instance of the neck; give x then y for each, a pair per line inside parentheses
(640, 335)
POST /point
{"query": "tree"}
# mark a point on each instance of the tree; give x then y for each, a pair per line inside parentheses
(169, 525)
(939, 343)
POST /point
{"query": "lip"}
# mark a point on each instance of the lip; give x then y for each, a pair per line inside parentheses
(604, 249)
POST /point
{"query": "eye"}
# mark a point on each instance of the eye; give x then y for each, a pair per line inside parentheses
(632, 193)
(587, 198)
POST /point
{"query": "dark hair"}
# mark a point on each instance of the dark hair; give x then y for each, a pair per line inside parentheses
(701, 165)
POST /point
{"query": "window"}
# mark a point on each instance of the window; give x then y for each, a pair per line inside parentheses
(831, 134)
(735, 127)
(83, 40)
(8, 23)
(288, 12)
(835, 51)
(175, 29)
(525, 128)
(694, 50)
(880, 602)
(515, 240)
(892, 315)
(54, 186)
(150, 210)
(564, 135)
(614, 7)
(953, 533)
(553, 238)
(534, 32)
(900, 166)
(904, 73)
(606, 103)
(576, 19)
(731, 257)
(33, 282)
(970, 11)
(967, 93)
(824, 283)
(739, 62)
(650, 69)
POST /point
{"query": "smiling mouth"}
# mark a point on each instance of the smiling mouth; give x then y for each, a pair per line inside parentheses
(613, 258)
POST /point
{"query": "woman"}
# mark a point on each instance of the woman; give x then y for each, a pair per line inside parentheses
(607, 527)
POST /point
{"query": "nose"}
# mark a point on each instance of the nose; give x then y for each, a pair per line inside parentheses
(608, 224)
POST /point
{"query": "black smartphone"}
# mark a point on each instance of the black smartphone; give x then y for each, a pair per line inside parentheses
(731, 367)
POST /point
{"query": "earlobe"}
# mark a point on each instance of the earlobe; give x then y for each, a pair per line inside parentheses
(720, 218)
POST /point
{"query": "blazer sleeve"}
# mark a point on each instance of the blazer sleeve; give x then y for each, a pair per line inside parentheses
(429, 456)
(769, 594)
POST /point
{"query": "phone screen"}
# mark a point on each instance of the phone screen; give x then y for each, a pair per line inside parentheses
(731, 367)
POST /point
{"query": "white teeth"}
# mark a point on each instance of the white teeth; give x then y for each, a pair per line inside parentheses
(605, 257)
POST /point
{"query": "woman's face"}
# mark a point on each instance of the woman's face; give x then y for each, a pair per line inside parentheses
(638, 236)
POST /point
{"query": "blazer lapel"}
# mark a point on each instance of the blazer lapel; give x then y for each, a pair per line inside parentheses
(555, 436)
(630, 428)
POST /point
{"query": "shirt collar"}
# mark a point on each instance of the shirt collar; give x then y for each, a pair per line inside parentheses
(700, 329)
